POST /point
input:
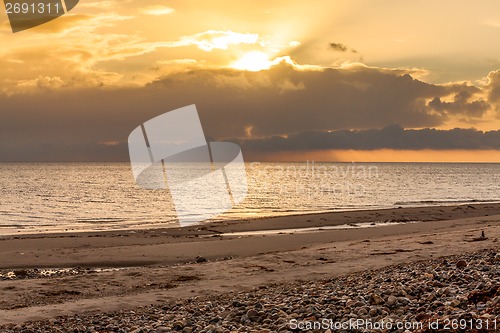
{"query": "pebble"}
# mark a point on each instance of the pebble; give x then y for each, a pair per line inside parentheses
(391, 300)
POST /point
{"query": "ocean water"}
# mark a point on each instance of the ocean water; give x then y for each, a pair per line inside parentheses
(42, 197)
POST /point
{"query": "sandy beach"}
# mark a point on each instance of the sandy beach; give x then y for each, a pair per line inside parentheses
(50, 275)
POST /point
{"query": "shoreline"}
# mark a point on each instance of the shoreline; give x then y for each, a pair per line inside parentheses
(293, 215)
(164, 265)
(154, 246)
(10, 231)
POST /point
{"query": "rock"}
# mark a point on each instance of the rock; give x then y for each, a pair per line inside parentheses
(461, 264)
(422, 317)
(354, 304)
(200, 259)
(481, 306)
(20, 273)
(362, 312)
(391, 300)
(178, 325)
(252, 315)
(376, 299)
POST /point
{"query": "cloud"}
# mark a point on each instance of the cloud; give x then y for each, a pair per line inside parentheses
(102, 4)
(80, 66)
(493, 88)
(157, 10)
(462, 104)
(339, 47)
(216, 39)
(328, 99)
(390, 137)
(42, 82)
(311, 107)
(63, 23)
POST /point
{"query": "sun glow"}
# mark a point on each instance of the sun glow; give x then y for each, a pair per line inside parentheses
(253, 61)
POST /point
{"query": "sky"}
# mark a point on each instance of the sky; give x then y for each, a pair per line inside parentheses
(351, 80)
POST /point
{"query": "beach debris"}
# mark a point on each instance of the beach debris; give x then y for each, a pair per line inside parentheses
(21, 273)
(382, 253)
(200, 259)
(34, 273)
(480, 238)
(405, 250)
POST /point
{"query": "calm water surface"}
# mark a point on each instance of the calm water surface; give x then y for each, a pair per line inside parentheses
(37, 197)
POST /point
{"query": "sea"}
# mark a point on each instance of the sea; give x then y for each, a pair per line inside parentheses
(63, 197)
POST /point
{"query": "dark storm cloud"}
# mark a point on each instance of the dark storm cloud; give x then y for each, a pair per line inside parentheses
(62, 151)
(286, 100)
(390, 137)
(339, 47)
(73, 124)
(461, 105)
(494, 90)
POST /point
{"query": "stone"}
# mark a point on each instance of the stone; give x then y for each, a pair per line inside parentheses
(20, 273)
(200, 259)
(422, 317)
(391, 300)
(362, 312)
(376, 299)
(354, 304)
(253, 315)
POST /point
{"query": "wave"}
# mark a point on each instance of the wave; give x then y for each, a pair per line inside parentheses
(440, 202)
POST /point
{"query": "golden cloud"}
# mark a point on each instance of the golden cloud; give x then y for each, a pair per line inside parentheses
(157, 10)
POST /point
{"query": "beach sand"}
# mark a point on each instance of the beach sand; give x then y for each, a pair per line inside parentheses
(125, 270)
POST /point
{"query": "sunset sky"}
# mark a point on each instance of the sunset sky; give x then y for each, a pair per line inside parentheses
(288, 80)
